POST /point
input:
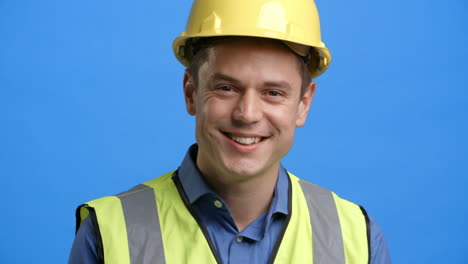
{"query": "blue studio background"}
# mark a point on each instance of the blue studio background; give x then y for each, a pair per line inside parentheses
(91, 104)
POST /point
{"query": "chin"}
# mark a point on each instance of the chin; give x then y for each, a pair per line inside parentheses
(244, 169)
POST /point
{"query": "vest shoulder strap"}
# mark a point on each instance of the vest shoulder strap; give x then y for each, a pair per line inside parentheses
(123, 222)
(338, 228)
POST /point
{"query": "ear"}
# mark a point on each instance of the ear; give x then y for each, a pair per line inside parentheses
(189, 93)
(304, 104)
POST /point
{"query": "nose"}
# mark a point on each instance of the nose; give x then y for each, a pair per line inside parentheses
(248, 108)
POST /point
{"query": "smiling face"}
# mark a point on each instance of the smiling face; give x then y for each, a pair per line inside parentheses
(247, 105)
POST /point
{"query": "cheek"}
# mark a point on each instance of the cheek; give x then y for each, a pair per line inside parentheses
(284, 117)
(213, 111)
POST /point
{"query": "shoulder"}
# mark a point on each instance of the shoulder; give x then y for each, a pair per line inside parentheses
(348, 210)
(113, 207)
(84, 248)
(318, 193)
(322, 202)
(160, 183)
(380, 253)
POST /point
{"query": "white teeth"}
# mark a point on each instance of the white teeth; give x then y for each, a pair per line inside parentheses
(245, 140)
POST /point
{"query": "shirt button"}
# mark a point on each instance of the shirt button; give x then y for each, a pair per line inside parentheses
(218, 203)
(239, 239)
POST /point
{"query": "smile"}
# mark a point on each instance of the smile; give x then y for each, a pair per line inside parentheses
(244, 140)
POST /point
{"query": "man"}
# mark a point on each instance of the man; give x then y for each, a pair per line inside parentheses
(248, 83)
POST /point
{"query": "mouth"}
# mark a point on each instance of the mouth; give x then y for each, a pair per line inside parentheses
(244, 140)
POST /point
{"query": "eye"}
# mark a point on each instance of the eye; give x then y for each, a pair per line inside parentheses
(225, 88)
(274, 93)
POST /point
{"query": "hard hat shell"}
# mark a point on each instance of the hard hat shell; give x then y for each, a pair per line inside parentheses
(295, 22)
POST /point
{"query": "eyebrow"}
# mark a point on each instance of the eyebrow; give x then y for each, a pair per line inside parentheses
(224, 77)
(278, 84)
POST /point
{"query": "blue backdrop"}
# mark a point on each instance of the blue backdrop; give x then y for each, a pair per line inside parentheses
(91, 104)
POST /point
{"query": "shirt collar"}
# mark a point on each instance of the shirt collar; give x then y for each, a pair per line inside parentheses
(280, 200)
(195, 186)
(190, 177)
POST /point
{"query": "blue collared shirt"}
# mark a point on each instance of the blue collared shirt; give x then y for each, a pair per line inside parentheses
(253, 245)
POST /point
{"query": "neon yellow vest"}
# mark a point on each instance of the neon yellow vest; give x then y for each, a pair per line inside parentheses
(154, 223)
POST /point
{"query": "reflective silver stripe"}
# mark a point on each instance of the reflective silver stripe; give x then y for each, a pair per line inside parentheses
(327, 239)
(142, 222)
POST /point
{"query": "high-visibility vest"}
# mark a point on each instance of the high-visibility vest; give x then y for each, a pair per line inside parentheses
(154, 223)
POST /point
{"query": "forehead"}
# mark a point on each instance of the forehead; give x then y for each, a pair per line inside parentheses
(252, 45)
(263, 58)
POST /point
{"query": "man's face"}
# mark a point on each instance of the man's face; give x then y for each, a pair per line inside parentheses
(247, 105)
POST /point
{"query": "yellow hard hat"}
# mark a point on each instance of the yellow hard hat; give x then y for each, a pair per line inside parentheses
(295, 22)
